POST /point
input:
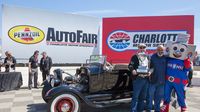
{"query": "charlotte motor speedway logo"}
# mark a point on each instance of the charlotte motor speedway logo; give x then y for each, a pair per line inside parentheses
(118, 40)
(26, 34)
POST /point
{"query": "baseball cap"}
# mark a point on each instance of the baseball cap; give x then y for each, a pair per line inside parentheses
(142, 45)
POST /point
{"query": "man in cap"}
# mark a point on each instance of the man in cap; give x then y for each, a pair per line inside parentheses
(139, 67)
(157, 79)
(45, 65)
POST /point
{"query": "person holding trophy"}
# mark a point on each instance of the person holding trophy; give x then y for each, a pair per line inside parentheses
(140, 69)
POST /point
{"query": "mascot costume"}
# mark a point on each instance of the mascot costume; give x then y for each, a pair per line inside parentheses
(178, 64)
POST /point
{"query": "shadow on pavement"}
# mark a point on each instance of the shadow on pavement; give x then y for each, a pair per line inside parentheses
(119, 108)
(40, 107)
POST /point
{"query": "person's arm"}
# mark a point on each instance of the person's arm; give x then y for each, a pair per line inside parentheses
(14, 61)
(29, 65)
(133, 65)
(151, 65)
(50, 63)
(187, 64)
(41, 64)
(1, 62)
(5, 61)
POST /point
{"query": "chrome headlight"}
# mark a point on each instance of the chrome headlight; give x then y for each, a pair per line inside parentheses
(55, 74)
(52, 82)
(49, 77)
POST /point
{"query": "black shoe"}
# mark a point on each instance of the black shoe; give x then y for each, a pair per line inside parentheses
(2, 90)
(189, 85)
(29, 88)
(36, 87)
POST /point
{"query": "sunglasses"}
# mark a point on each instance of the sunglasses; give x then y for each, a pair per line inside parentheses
(161, 52)
(142, 47)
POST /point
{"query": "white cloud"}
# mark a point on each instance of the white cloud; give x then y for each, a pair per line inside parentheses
(175, 11)
(186, 10)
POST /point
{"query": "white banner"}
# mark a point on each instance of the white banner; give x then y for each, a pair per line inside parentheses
(67, 38)
(121, 40)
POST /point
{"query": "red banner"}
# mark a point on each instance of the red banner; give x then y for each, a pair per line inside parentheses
(121, 35)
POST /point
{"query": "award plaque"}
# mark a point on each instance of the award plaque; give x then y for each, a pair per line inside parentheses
(143, 67)
(142, 70)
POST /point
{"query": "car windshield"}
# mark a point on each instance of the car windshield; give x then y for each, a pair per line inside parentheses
(97, 59)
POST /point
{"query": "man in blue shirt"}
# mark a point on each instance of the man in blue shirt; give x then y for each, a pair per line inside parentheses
(157, 79)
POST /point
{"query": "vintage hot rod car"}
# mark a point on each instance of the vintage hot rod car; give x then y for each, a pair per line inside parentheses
(97, 84)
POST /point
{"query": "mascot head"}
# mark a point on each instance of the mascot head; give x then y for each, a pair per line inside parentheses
(180, 49)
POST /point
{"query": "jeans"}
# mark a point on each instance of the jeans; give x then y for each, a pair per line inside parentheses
(45, 74)
(156, 94)
(190, 78)
(33, 74)
(140, 86)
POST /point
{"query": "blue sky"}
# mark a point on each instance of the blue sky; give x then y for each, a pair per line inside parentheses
(115, 8)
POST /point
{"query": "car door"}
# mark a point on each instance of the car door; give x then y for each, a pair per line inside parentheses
(96, 77)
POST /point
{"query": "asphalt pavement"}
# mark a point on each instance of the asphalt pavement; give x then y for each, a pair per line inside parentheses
(24, 100)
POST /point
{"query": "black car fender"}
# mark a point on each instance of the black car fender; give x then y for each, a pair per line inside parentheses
(46, 87)
(45, 82)
(67, 89)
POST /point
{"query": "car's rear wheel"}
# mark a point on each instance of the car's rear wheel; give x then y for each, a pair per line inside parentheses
(66, 102)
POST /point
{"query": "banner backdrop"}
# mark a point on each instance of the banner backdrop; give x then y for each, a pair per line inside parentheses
(121, 35)
(67, 38)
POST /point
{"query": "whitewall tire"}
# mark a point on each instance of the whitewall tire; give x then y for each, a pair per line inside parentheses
(66, 102)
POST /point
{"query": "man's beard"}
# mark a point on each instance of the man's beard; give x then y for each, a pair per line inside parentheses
(160, 54)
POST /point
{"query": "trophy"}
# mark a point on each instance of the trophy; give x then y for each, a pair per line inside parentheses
(143, 67)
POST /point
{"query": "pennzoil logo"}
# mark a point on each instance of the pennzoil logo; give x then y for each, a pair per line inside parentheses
(26, 34)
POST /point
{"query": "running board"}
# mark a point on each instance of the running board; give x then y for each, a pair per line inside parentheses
(112, 102)
(108, 97)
